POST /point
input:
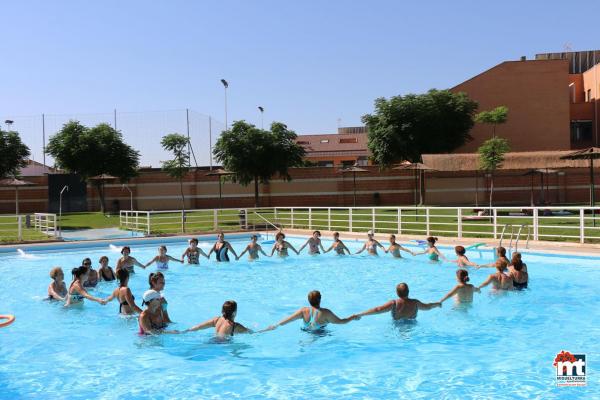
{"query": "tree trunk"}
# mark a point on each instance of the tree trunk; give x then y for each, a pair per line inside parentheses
(491, 189)
(256, 192)
(182, 205)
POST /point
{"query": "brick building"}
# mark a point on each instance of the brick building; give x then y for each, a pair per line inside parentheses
(347, 147)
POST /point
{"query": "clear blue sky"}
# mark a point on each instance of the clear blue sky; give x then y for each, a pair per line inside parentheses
(307, 62)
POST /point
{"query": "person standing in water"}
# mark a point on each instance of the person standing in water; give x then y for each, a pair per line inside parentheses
(518, 272)
(499, 280)
(92, 279)
(500, 255)
(105, 272)
(314, 317)
(252, 249)
(57, 290)
(225, 325)
(395, 248)
(193, 252)
(313, 243)
(403, 308)
(162, 259)
(281, 246)
(123, 294)
(463, 292)
(127, 261)
(76, 292)
(149, 319)
(371, 245)
(462, 260)
(156, 281)
(220, 248)
(338, 246)
(432, 251)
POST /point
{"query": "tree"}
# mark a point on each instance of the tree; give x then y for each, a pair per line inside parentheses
(494, 117)
(177, 167)
(95, 151)
(255, 155)
(404, 127)
(491, 157)
(14, 154)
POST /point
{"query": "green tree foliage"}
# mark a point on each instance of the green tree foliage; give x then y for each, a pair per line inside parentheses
(13, 154)
(255, 155)
(177, 167)
(404, 127)
(491, 157)
(89, 152)
(495, 117)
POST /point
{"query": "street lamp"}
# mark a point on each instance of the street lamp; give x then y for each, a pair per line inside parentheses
(262, 112)
(130, 196)
(60, 210)
(225, 86)
(9, 123)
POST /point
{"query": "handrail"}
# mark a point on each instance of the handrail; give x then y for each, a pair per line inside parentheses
(268, 222)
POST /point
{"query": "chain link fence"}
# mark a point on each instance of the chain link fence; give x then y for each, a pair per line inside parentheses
(141, 130)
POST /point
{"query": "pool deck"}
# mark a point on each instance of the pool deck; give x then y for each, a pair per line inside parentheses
(569, 248)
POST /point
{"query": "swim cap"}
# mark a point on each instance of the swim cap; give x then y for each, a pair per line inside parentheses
(369, 232)
(150, 295)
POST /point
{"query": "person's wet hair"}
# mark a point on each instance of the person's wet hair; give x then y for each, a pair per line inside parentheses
(462, 275)
(253, 237)
(163, 247)
(78, 272)
(228, 309)
(501, 251)
(125, 248)
(194, 240)
(432, 240)
(336, 234)
(86, 262)
(54, 272)
(122, 276)
(392, 236)
(103, 258)
(402, 290)
(516, 261)
(153, 278)
(280, 235)
(314, 299)
(460, 250)
(317, 232)
(501, 264)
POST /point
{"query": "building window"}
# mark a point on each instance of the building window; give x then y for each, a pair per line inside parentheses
(588, 95)
(302, 142)
(349, 140)
(324, 140)
(348, 163)
(325, 163)
(362, 161)
(581, 131)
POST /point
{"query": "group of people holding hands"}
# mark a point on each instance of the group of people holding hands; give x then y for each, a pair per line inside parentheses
(509, 275)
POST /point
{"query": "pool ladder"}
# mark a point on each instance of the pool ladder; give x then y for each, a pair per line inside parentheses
(267, 223)
(515, 236)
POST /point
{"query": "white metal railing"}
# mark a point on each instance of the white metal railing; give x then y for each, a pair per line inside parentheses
(580, 224)
(16, 228)
(45, 222)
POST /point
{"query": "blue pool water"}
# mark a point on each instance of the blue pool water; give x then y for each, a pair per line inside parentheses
(503, 346)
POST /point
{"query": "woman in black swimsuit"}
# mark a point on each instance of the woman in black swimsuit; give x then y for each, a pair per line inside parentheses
(123, 294)
(224, 325)
(518, 272)
(220, 249)
(105, 273)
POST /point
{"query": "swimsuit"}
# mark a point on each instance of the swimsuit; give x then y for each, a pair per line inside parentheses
(312, 324)
(162, 265)
(110, 278)
(152, 325)
(313, 245)
(125, 303)
(433, 256)
(519, 286)
(193, 257)
(396, 306)
(76, 298)
(222, 253)
(339, 250)
(281, 250)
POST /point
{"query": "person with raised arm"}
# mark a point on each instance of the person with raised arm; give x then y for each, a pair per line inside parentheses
(57, 290)
(149, 319)
(225, 325)
(463, 291)
(281, 246)
(221, 247)
(105, 272)
(338, 246)
(162, 259)
(499, 280)
(313, 243)
(123, 294)
(432, 251)
(156, 281)
(314, 317)
(76, 292)
(517, 270)
(371, 245)
(252, 249)
(461, 259)
(127, 261)
(193, 252)
(403, 308)
(395, 248)
(500, 255)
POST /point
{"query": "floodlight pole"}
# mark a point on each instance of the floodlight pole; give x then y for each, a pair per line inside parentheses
(66, 187)
(130, 196)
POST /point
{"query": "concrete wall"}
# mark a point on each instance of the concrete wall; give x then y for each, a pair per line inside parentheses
(537, 95)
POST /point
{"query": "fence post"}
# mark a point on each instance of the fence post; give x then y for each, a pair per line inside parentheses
(350, 219)
(328, 219)
(582, 225)
(246, 219)
(137, 221)
(55, 232)
(292, 217)
(535, 224)
(148, 220)
(309, 218)
(399, 221)
(427, 221)
(275, 214)
(373, 218)
(20, 228)
(215, 219)
(495, 222)
(459, 222)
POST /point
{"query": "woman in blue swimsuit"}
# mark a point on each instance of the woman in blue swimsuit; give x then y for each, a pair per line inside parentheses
(314, 317)
(162, 259)
(220, 249)
(432, 252)
(76, 292)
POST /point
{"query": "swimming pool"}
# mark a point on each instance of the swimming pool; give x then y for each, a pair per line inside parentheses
(502, 346)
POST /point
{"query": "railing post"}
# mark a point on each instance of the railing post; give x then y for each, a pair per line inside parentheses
(535, 223)
(55, 231)
(309, 218)
(495, 222)
(350, 219)
(275, 214)
(137, 221)
(292, 217)
(459, 222)
(215, 219)
(399, 221)
(582, 225)
(427, 221)
(20, 228)
(148, 221)
(246, 219)
(328, 219)
(373, 217)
